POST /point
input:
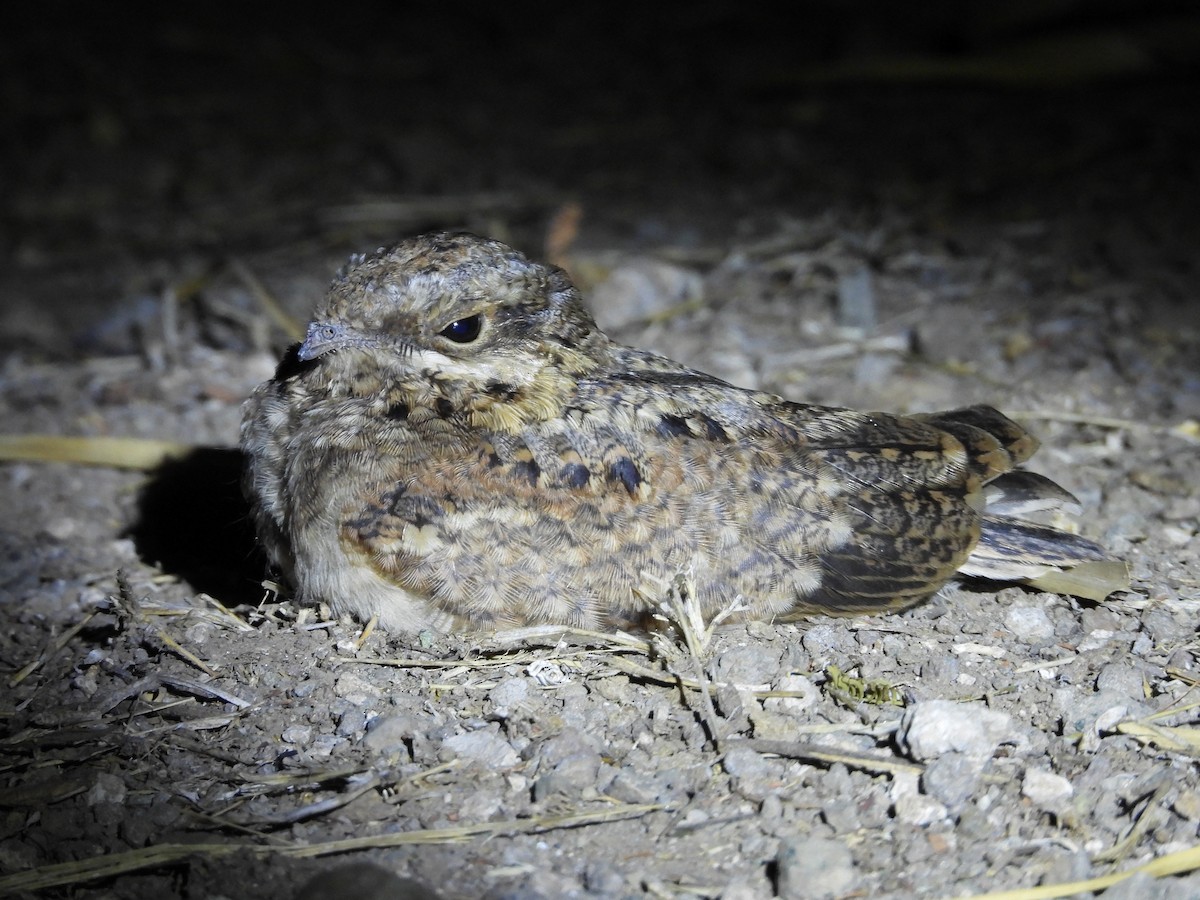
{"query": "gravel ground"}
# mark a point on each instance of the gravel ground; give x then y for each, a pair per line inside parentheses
(880, 246)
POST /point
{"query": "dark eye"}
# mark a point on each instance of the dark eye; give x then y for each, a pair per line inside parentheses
(463, 331)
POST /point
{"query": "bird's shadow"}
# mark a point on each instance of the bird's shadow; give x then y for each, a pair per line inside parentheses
(194, 523)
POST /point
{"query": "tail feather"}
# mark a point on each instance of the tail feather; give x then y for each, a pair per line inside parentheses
(1045, 558)
(1011, 548)
(1019, 493)
(994, 442)
(938, 494)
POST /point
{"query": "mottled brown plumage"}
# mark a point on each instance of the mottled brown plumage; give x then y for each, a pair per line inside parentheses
(457, 445)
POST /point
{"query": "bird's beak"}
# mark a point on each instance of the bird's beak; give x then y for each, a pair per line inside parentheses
(323, 337)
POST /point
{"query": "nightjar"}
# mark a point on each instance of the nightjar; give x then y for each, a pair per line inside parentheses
(456, 445)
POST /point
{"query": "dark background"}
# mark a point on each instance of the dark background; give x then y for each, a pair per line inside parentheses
(151, 143)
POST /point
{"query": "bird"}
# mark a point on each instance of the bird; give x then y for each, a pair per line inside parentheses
(457, 446)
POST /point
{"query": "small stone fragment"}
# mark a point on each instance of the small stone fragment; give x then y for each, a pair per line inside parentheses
(107, 789)
(356, 690)
(1187, 804)
(1045, 789)
(793, 706)
(952, 779)
(297, 734)
(743, 762)
(911, 806)
(507, 696)
(811, 867)
(573, 776)
(936, 727)
(748, 665)
(483, 747)
(1030, 624)
(389, 733)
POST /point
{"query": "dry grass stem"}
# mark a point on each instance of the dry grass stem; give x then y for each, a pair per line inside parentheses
(1177, 863)
(140, 454)
(55, 646)
(114, 864)
(829, 755)
(274, 309)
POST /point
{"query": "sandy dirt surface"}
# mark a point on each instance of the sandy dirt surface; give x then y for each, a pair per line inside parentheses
(171, 728)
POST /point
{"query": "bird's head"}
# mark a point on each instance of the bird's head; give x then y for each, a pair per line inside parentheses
(454, 318)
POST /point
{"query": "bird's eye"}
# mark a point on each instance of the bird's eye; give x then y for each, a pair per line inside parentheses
(463, 331)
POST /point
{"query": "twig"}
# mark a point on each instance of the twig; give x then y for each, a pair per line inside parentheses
(1139, 827)
(1172, 864)
(113, 864)
(555, 633)
(129, 608)
(274, 309)
(681, 608)
(817, 753)
(203, 690)
(141, 454)
(60, 642)
(367, 631)
(1188, 429)
(369, 783)
(888, 343)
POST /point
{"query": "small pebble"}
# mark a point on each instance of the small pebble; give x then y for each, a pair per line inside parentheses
(353, 721)
(572, 776)
(1179, 537)
(507, 696)
(1030, 624)
(739, 890)
(823, 641)
(1045, 789)
(356, 690)
(325, 746)
(793, 706)
(730, 702)
(615, 688)
(632, 786)
(771, 809)
(1142, 886)
(62, 528)
(1187, 804)
(911, 806)
(297, 734)
(748, 665)
(567, 743)
(811, 867)
(481, 746)
(942, 667)
(1165, 624)
(936, 727)
(1121, 679)
(744, 762)
(107, 789)
(388, 733)
(603, 878)
(856, 299)
(1099, 619)
(303, 690)
(952, 779)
